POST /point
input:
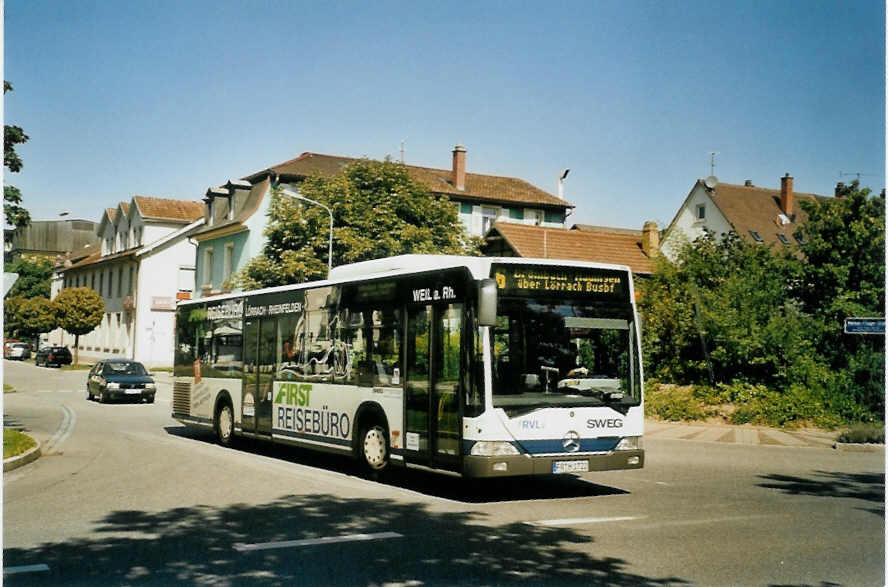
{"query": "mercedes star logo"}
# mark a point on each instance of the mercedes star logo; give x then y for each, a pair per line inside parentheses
(571, 441)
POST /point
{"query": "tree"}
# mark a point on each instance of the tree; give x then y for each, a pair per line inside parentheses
(844, 276)
(11, 317)
(36, 316)
(378, 211)
(80, 310)
(723, 312)
(34, 277)
(13, 135)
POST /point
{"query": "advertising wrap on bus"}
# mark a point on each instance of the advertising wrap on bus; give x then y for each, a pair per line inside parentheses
(401, 369)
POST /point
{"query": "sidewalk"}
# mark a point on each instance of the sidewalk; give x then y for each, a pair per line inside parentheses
(749, 435)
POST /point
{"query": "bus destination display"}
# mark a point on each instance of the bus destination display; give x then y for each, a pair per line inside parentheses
(546, 281)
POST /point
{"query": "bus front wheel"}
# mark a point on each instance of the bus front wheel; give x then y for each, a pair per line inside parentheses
(374, 448)
(225, 424)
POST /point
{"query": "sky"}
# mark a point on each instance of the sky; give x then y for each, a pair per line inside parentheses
(167, 98)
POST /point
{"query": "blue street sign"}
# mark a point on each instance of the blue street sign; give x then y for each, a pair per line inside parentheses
(864, 326)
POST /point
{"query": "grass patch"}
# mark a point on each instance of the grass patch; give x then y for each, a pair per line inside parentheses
(80, 367)
(864, 433)
(7, 388)
(15, 443)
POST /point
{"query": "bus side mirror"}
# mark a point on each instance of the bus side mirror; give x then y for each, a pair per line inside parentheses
(487, 302)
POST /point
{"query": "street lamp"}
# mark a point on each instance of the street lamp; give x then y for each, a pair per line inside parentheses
(290, 194)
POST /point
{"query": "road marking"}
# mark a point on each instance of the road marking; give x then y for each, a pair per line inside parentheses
(69, 419)
(579, 521)
(26, 569)
(316, 541)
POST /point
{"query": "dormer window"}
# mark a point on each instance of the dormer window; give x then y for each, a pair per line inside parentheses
(210, 209)
(799, 237)
(782, 238)
(231, 207)
(756, 236)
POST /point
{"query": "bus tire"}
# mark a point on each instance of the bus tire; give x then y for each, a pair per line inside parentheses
(373, 448)
(225, 423)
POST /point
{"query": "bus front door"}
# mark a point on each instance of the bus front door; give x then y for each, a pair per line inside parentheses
(432, 432)
(259, 364)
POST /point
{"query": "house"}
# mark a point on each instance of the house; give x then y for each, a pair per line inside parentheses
(234, 215)
(616, 246)
(236, 212)
(143, 264)
(49, 238)
(765, 216)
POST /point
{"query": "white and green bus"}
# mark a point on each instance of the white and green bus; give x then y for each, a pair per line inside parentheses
(475, 366)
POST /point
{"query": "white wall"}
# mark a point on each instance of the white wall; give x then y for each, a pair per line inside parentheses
(686, 227)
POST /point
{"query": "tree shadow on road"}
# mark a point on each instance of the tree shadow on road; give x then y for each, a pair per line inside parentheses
(196, 545)
(864, 486)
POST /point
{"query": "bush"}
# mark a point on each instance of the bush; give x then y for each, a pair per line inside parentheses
(864, 433)
(674, 403)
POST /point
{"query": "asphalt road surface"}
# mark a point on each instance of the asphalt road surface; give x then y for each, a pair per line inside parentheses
(125, 495)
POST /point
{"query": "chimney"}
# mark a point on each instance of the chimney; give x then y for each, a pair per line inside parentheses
(748, 183)
(459, 167)
(650, 239)
(786, 196)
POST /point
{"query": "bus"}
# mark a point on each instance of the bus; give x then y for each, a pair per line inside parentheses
(473, 366)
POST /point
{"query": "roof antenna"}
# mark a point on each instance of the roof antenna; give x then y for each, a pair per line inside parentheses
(712, 155)
(857, 174)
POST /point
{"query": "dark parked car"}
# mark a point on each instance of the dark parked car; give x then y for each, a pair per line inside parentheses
(120, 379)
(53, 355)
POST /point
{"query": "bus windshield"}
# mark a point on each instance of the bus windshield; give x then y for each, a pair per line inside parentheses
(564, 354)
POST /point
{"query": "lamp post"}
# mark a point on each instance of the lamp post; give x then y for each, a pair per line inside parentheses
(296, 196)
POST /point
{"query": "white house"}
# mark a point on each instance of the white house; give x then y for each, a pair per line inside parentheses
(765, 216)
(145, 264)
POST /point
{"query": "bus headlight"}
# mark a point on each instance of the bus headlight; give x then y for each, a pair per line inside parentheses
(630, 443)
(491, 448)
(112, 385)
(150, 387)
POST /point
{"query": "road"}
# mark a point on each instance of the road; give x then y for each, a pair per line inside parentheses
(125, 495)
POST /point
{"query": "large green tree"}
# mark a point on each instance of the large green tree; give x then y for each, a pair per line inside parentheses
(378, 211)
(79, 310)
(35, 317)
(844, 276)
(34, 277)
(13, 135)
(723, 312)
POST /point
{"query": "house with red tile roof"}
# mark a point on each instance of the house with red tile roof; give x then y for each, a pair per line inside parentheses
(235, 212)
(765, 216)
(635, 249)
(142, 265)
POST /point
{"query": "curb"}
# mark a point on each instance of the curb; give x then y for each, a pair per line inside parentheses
(29, 456)
(858, 447)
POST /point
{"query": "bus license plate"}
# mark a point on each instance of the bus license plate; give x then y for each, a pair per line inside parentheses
(132, 391)
(570, 466)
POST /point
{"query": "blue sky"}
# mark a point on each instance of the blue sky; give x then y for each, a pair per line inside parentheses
(167, 98)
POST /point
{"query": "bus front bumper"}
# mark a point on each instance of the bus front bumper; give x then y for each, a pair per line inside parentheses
(508, 466)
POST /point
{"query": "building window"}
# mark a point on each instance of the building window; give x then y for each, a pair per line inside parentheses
(532, 217)
(186, 278)
(554, 216)
(701, 211)
(130, 289)
(782, 238)
(488, 217)
(92, 280)
(102, 283)
(208, 266)
(120, 282)
(228, 267)
(465, 208)
(756, 236)
(211, 210)
(110, 282)
(516, 213)
(231, 207)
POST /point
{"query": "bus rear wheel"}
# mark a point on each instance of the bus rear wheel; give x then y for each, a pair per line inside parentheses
(225, 424)
(374, 448)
